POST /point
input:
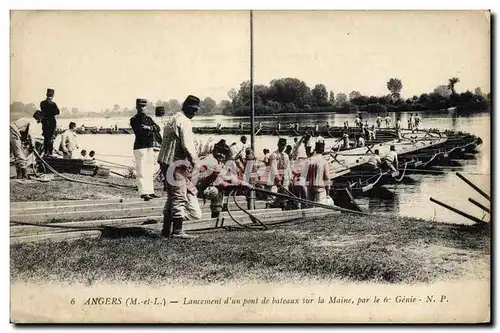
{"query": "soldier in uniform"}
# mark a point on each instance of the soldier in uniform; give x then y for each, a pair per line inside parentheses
(49, 124)
(279, 173)
(145, 130)
(23, 131)
(177, 158)
(209, 181)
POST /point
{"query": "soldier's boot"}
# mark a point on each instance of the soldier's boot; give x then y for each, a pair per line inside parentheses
(167, 226)
(178, 232)
(18, 172)
(23, 173)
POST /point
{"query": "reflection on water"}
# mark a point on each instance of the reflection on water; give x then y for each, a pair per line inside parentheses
(409, 199)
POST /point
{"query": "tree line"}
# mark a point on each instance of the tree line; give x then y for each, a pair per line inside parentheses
(292, 95)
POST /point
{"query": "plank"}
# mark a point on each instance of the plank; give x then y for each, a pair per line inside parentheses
(100, 207)
(16, 230)
(87, 202)
(272, 218)
(61, 216)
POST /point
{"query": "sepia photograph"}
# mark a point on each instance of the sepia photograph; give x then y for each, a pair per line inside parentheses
(250, 166)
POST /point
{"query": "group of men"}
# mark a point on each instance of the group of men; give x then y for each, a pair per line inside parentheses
(185, 174)
(25, 131)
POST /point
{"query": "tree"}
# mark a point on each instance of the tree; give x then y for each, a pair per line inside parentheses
(172, 105)
(207, 105)
(451, 84)
(290, 90)
(478, 91)
(443, 90)
(116, 107)
(319, 95)
(353, 94)
(223, 106)
(394, 86)
(341, 99)
(331, 99)
(232, 94)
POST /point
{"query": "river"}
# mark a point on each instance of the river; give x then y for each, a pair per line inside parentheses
(409, 200)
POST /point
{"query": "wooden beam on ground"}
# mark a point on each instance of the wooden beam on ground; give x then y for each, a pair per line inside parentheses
(88, 202)
(17, 230)
(100, 207)
(269, 218)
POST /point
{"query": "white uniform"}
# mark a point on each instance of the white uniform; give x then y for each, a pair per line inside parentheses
(68, 143)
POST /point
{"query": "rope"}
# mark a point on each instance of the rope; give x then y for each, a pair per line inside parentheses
(116, 164)
(106, 231)
(261, 225)
(311, 203)
(77, 180)
(403, 175)
(59, 226)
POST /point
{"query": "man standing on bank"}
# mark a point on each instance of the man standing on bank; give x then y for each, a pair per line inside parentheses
(144, 129)
(49, 124)
(177, 159)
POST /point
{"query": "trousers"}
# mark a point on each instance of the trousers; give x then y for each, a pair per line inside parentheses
(144, 169)
(182, 202)
(16, 147)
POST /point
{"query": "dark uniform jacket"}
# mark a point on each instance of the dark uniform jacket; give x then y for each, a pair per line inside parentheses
(50, 111)
(144, 138)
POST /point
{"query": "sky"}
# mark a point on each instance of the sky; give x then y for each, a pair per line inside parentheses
(95, 59)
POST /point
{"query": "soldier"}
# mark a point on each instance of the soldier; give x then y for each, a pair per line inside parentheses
(390, 160)
(279, 171)
(49, 124)
(210, 183)
(379, 121)
(68, 141)
(177, 158)
(23, 131)
(374, 162)
(145, 130)
(318, 176)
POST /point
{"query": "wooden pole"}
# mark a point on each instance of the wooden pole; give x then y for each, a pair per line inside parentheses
(473, 186)
(252, 100)
(251, 195)
(470, 217)
(486, 209)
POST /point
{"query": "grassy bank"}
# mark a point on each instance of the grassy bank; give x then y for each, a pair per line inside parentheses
(337, 247)
(60, 189)
(345, 248)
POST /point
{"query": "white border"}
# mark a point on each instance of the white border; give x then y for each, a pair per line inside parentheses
(213, 5)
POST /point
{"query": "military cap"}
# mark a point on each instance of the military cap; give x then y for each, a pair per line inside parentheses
(191, 101)
(282, 141)
(141, 101)
(50, 92)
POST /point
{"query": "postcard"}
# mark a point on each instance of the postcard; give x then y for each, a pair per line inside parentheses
(257, 166)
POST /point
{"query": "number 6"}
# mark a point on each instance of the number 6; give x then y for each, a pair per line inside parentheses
(72, 301)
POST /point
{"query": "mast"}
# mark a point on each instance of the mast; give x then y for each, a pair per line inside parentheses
(251, 193)
(252, 102)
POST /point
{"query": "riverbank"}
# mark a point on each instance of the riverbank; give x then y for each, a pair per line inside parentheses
(375, 248)
(335, 248)
(58, 188)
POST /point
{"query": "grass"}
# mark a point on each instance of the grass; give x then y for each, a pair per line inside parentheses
(337, 247)
(61, 189)
(345, 248)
